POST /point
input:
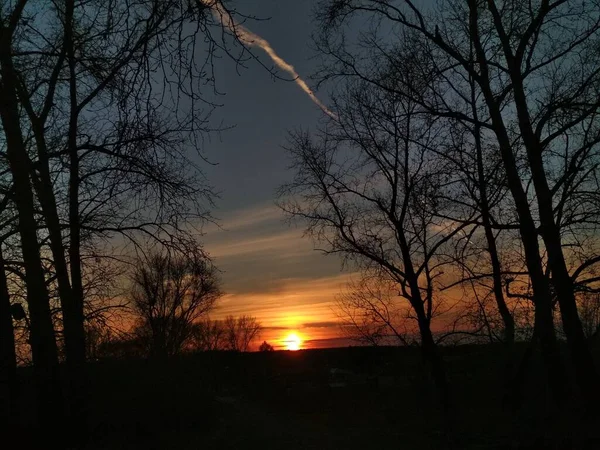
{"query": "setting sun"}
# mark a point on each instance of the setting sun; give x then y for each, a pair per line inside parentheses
(292, 342)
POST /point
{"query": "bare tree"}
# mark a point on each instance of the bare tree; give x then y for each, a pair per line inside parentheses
(371, 312)
(368, 187)
(589, 310)
(208, 335)
(240, 332)
(480, 185)
(42, 336)
(110, 152)
(535, 73)
(169, 293)
(106, 309)
(231, 333)
(101, 103)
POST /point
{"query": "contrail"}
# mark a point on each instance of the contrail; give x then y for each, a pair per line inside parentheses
(253, 40)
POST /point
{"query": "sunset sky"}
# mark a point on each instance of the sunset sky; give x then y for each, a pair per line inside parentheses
(269, 270)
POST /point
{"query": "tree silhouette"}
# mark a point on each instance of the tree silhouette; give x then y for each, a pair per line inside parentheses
(369, 187)
(169, 293)
(208, 335)
(370, 311)
(240, 332)
(265, 347)
(8, 359)
(526, 77)
(93, 152)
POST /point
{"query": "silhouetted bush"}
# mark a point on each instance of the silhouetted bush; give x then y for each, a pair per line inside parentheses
(265, 347)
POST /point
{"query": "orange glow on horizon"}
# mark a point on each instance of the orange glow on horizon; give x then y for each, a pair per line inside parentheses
(292, 342)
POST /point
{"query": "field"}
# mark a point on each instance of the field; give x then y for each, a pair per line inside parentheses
(346, 398)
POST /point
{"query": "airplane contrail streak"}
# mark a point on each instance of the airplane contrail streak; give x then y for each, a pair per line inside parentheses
(253, 40)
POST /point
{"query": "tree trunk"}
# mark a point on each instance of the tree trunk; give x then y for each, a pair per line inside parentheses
(70, 290)
(74, 332)
(42, 335)
(428, 345)
(78, 371)
(527, 229)
(74, 218)
(507, 317)
(8, 361)
(73, 326)
(544, 323)
(581, 357)
(434, 360)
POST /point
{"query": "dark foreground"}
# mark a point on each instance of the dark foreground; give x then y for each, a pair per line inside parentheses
(296, 400)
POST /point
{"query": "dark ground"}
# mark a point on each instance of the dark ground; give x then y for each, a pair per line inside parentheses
(283, 400)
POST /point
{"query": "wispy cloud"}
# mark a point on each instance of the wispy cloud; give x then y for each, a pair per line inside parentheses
(256, 250)
(286, 242)
(253, 40)
(295, 303)
(326, 324)
(247, 217)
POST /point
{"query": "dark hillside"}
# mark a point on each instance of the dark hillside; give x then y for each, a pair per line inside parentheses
(357, 397)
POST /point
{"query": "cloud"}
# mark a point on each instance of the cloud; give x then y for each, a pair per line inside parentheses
(297, 303)
(275, 328)
(257, 253)
(253, 40)
(285, 242)
(248, 217)
(253, 230)
(326, 324)
(273, 273)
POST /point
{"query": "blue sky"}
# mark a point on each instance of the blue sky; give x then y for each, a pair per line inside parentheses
(262, 108)
(269, 269)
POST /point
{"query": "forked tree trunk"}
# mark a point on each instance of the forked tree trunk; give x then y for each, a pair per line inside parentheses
(70, 289)
(435, 363)
(585, 370)
(428, 346)
(544, 324)
(42, 335)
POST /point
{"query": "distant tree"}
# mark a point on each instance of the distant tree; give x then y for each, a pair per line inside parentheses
(97, 338)
(240, 331)
(208, 335)
(169, 293)
(369, 311)
(266, 347)
(105, 303)
(233, 333)
(589, 311)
